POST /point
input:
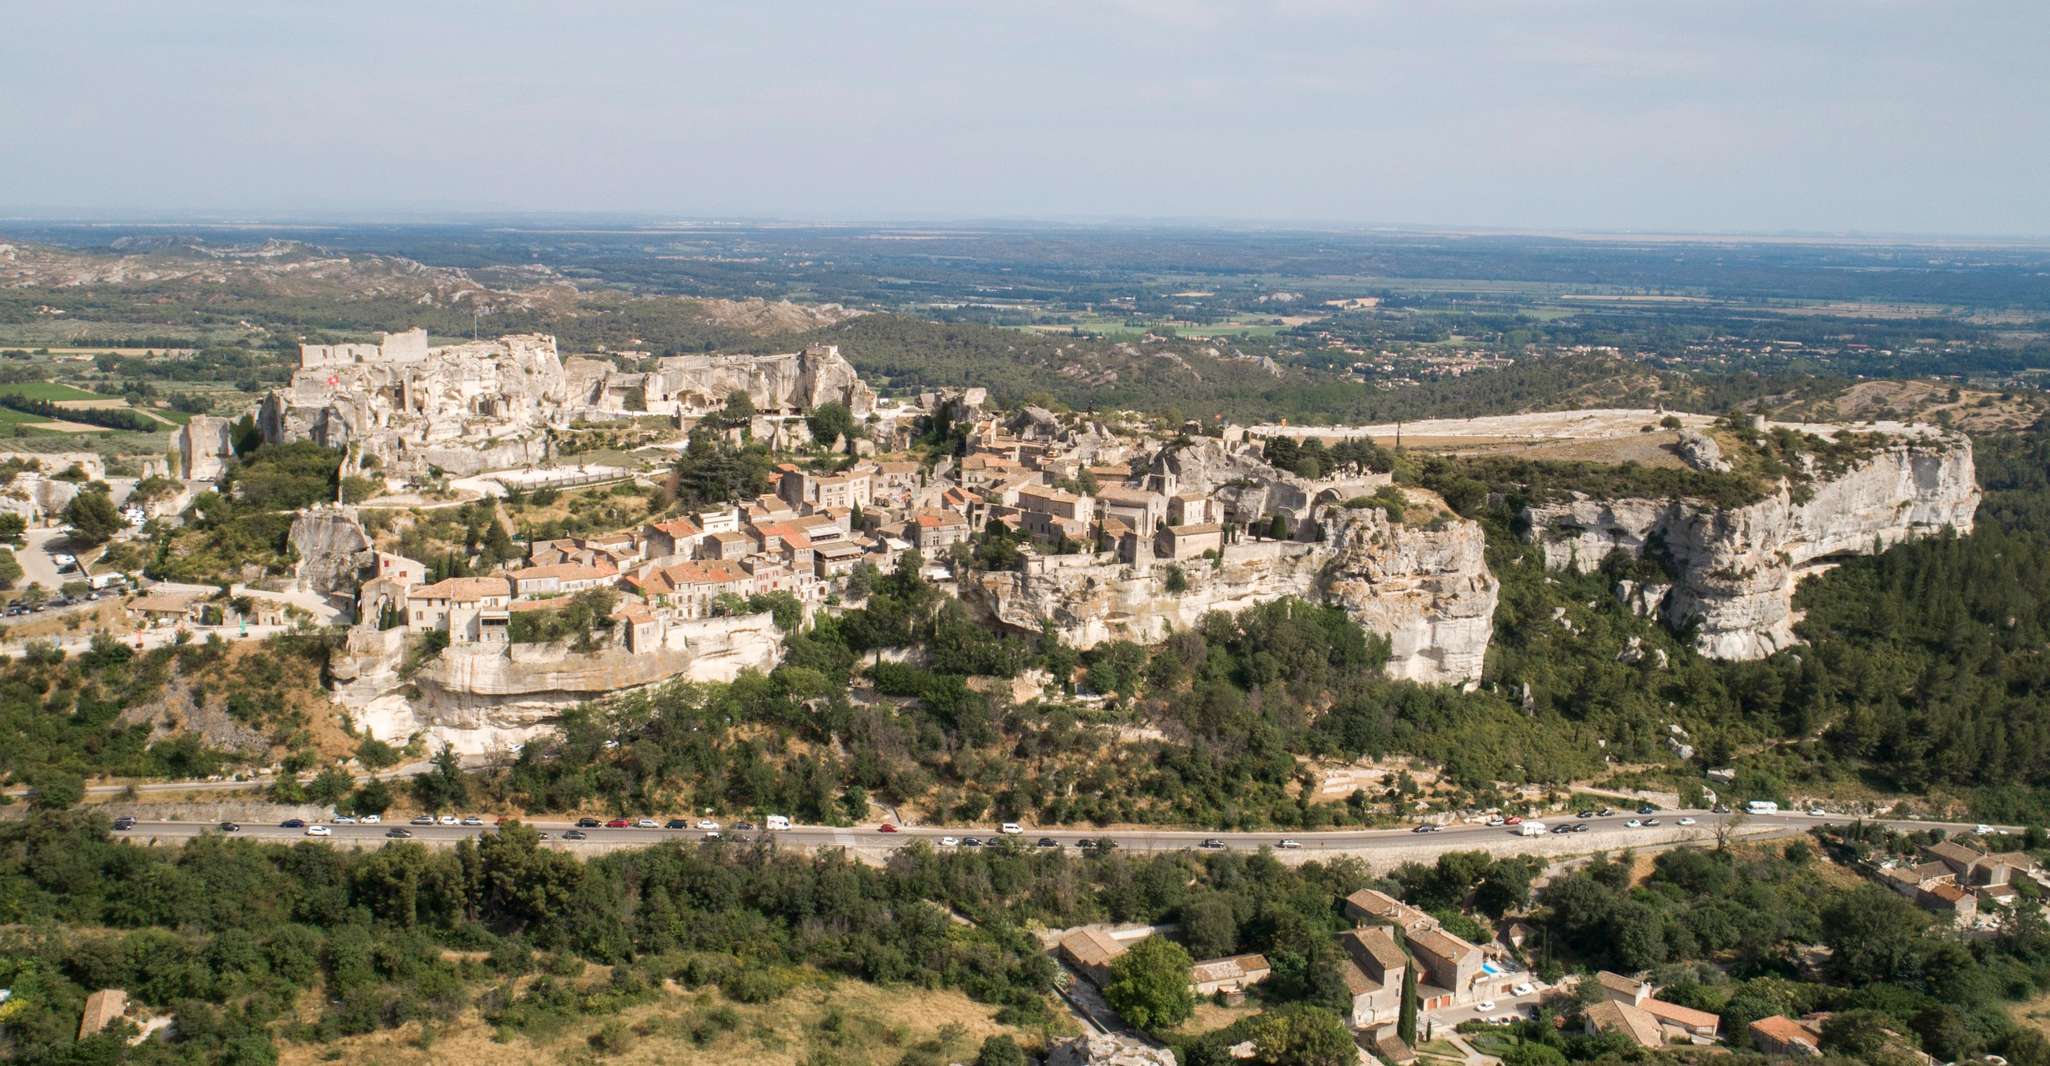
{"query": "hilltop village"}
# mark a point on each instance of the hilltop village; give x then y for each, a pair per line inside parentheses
(1091, 526)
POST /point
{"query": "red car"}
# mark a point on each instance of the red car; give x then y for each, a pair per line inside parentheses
(619, 823)
(886, 828)
(1512, 820)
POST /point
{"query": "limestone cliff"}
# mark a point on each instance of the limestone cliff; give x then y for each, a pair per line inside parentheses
(478, 697)
(332, 550)
(1734, 569)
(1425, 586)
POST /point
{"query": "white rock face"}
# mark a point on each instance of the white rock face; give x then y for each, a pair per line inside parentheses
(1428, 590)
(332, 549)
(204, 447)
(1737, 567)
(481, 697)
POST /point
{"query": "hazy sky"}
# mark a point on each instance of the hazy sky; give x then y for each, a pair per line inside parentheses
(1869, 115)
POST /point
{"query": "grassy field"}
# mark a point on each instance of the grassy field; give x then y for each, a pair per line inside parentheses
(52, 391)
(837, 1021)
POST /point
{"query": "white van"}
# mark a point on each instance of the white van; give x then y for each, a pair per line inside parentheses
(1012, 829)
(1532, 828)
(1761, 807)
(778, 822)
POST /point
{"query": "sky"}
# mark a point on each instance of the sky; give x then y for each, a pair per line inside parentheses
(1821, 116)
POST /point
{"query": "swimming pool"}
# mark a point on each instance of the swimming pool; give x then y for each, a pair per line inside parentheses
(1491, 969)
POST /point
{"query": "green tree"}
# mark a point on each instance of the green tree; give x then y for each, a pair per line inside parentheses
(442, 786)
(1149, 985)
(831, 421)
(10, 569)
(93, 519)
(56, 790)
(1000, 1050)
(1302, 1035)
(1405, 1020)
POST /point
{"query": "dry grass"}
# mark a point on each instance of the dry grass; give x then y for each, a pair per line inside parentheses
(875, 1026)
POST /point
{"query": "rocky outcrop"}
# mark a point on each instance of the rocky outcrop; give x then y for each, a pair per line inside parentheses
(1235, 474)
(1734, 569)
(204, 445)
(481, 697)
(332, 550)
(1425, 586)
(791, 383)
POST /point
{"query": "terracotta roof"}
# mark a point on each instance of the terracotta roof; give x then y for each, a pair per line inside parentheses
(101, 1008)
(677, 527)
(636, 613)
(1786, 1031)
(1633, 1022)
(1629, 986)
(462, 589)
(1198, 529)
(1376, 945)
(1356, 980)
(1684, 1017)
(564, 572)
(1231, 968)
(1091, 947)
(936, 519)
(1436, 941)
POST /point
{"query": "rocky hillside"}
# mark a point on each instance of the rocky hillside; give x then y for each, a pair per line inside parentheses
(1424, 586)
(1731, 571)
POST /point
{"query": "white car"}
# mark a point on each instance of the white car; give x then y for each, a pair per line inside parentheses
(473, 820)
(1498, 820)
(372, 819)
(1484, 1006)
(1522, 989)
(708, 825)
(1983, 830)
(1291, 843)
(1686, 821)
(450, 819)
(343, 819)
(712, 835)
(647, 823)
(1633, 824)
(950, 842)
(319, 831)
(1011, 829)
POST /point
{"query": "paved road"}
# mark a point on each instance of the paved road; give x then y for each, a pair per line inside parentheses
(1603, 834)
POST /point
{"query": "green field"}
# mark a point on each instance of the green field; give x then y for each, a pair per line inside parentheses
(50, 390)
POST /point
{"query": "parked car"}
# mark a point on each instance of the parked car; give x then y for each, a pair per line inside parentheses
(372, 819)
(1484, 1006)
(425, 819)
(1605, 812)
(124, 823)
(319, 831)
(1512, 820)
(230, 827)
(1983, 830)
(1425, 828)
(1290, 843)
(886, 828)
(1649, 822)
(647, 823)
(1645, 808)
(676, 823)
(1523, 989)
(1214, 844)
(1049, 842)
(745, 827)
(708, 825)
(1584, 814)
(398, 832)
(1633, 824)
(948, 842)
(1580, 827)
(1562, 828)
(473, 820)
(588, 823)
(576, 834)
(292, 823)
(971, 842)
(449, 819)
(619, 823)
(1011, 829)
(1498, 820)
(1686, 821)
(1720, 808)
(344, 819)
